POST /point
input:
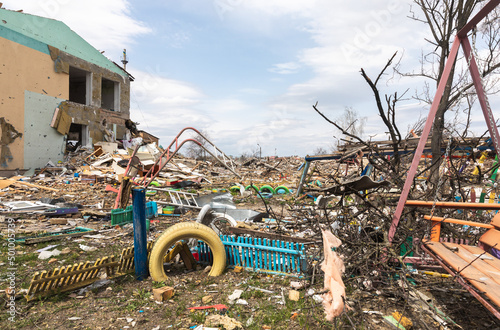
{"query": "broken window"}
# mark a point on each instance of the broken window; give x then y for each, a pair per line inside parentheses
(79, 86)
(78, 135)
(110, 91)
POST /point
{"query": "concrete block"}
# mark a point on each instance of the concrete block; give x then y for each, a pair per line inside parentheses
(164, 293)
(294, 295)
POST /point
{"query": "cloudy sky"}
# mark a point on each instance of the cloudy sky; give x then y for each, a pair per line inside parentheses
(248, 71)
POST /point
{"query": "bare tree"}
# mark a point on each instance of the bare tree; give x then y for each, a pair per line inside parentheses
(320, 151)
(388, 116)
(444, 18)
(352, 122)
(196, 151)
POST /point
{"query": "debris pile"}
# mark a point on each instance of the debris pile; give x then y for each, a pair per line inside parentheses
(309, 236)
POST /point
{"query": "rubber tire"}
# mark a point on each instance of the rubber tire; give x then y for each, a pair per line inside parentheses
(268, 188)
(249, 187)
(266, 194)
(287, 191)
(234, 189)
(182, 231)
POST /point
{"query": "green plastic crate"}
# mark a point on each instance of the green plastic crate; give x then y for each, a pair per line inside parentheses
(121, 217)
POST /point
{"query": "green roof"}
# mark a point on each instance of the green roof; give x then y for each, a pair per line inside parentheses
(37, 32)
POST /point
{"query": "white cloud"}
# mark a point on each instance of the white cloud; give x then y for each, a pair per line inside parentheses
(164, 106)
(285, 68)
(106, 25)
(338, 37)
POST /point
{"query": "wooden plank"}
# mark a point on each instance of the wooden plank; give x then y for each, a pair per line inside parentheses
(491, 238)
(489, 258)
(58, 221)
(173, 252)
(496, 220)
(58, 279)
(187, 256)
(458, 222)
(74, 286)
(33, 285)
(68, 270)
(480, 264)
(8, 182)
(36, 186)
(479, 280)
(110, 270)
(64, 123)
(55, 118)
(51, 280)
(57, 237)
(43, 283)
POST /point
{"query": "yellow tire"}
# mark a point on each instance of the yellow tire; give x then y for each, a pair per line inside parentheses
(182, 231)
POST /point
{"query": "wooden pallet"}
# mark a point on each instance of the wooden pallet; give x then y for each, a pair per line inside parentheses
(68, 278)
(127, 259)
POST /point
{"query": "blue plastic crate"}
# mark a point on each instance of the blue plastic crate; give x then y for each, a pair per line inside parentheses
(151, 210)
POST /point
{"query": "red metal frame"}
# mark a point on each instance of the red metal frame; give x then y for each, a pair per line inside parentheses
(460, 39)
(169, 154)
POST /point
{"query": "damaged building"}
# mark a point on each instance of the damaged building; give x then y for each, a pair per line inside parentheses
(56, 88)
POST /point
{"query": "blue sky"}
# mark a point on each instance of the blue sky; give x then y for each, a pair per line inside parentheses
(247, 72)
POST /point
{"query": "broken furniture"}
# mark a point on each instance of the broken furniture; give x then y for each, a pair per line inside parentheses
(477, 268)
(360, 183)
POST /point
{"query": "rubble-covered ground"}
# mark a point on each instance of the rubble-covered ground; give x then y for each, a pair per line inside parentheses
(376, 286)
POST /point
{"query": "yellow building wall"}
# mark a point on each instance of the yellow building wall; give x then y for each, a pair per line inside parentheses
(25, 69)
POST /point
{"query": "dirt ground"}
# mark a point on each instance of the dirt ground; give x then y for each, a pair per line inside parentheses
(125, 302)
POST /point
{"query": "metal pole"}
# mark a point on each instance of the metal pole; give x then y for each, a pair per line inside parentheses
(140, 238)
(481, 94)
(303, 178)
(423, 138)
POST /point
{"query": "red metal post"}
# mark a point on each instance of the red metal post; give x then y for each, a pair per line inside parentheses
(481, 93)
(477, 18)
(423, 138)
(476, 77)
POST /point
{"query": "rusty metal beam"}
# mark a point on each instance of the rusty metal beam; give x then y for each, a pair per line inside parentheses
(423, 138)
(481, 93)
(478, 18)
